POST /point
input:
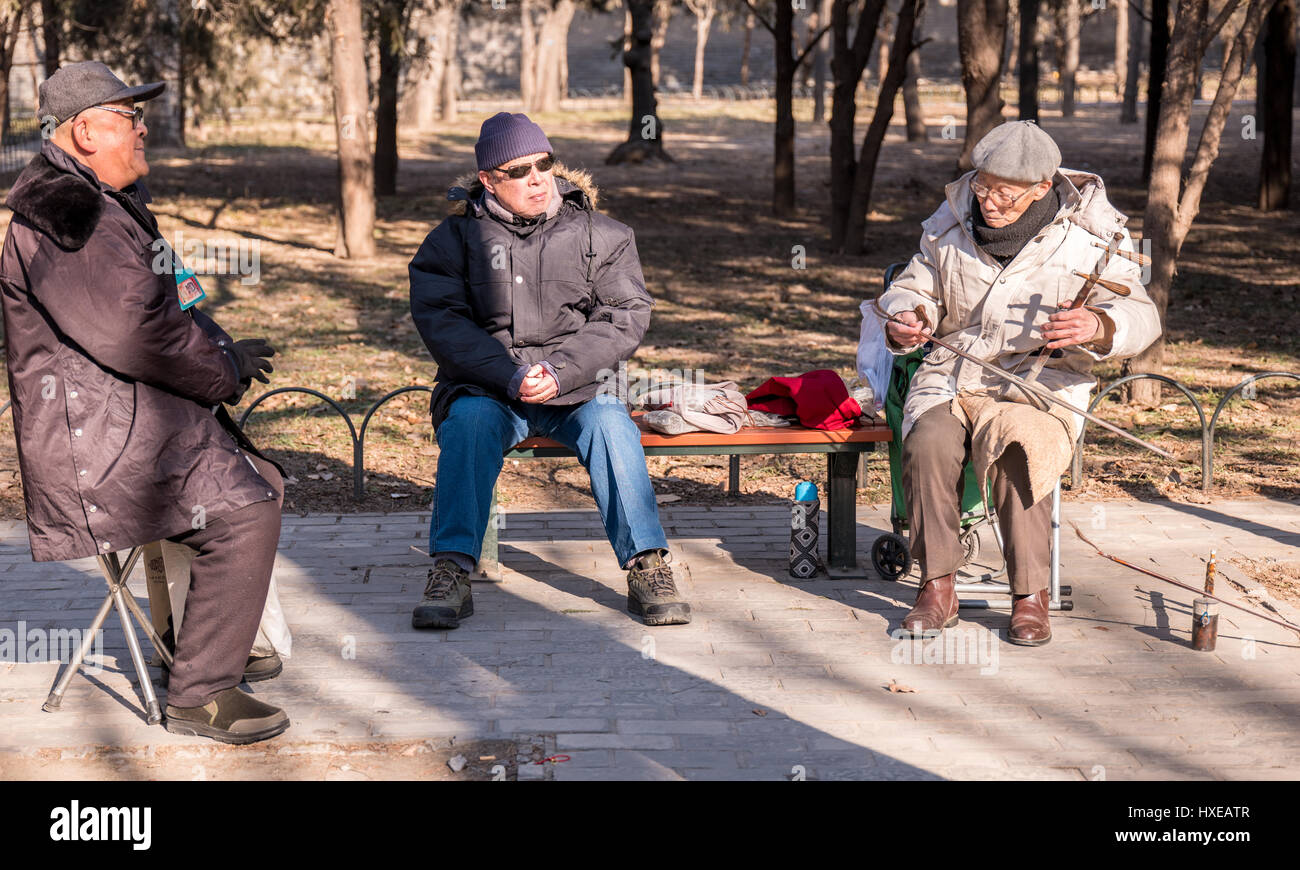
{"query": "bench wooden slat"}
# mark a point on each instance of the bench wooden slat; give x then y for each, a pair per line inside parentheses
(756, 436)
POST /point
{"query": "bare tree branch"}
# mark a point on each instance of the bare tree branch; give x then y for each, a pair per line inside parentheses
(1207, 147)
(1213, 30)
(759, 16)
(811, 44)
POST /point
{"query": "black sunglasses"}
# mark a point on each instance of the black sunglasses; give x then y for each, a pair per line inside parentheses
(522, 170)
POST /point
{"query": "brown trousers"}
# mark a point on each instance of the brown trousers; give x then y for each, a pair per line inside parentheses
(228, 581)
(934, 454)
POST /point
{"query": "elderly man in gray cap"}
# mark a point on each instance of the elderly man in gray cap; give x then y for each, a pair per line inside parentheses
(117, 384)
(1028, 266)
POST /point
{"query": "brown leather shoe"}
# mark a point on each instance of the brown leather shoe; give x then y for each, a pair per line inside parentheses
(1029, 620)
(935, 608)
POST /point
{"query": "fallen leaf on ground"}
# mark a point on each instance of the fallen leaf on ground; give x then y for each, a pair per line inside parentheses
(1101, 628)
(758, 712)
(898, 688)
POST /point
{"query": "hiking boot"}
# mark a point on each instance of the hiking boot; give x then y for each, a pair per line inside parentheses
(935, 608)
(231, 717)
(260, 668)
(447, 599)
(651, 593)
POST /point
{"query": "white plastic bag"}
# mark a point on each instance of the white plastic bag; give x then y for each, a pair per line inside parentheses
(272, 633)
(875, 361)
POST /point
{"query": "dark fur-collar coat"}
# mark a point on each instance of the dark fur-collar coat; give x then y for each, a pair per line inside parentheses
(113, 385)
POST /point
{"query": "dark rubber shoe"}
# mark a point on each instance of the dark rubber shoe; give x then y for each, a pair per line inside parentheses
(447, 598)
(261, 668)
(231, 717)
(256, 669)
(652, 594)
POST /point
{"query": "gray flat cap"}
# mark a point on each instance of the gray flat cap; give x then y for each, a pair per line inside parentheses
(1017, 151)
(78, 86)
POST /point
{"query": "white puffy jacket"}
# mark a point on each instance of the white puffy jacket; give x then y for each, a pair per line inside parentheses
(997, 313)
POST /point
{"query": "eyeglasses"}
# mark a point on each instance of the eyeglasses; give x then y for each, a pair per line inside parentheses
(1000, 199)
(523, 169)
(136, 115)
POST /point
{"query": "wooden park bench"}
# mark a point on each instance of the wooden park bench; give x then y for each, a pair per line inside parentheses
(842, 448)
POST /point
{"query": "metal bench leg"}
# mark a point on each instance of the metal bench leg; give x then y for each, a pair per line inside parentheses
(841, 514)
(489, 562)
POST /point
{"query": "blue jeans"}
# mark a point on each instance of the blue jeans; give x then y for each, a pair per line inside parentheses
(479, 430)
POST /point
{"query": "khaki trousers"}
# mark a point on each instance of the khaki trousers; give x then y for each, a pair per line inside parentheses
(934, 455)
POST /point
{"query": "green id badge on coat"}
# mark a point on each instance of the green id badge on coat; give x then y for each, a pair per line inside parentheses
(188, 287)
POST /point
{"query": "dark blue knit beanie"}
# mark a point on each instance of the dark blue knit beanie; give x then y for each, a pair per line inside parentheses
(505, 137)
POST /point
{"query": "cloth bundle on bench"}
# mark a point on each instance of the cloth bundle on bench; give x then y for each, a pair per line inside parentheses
(688, 407)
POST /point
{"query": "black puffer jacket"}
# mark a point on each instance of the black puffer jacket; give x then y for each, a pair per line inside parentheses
(488, 296)
(112, 383)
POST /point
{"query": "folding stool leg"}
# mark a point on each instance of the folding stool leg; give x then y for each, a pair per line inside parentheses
(115, 574)
(55, 698)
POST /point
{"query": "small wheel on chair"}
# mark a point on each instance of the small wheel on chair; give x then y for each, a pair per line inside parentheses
(970, 544)
(890, 556)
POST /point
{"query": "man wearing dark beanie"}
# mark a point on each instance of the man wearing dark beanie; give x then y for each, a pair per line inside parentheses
(528, 298)
(1004, 267)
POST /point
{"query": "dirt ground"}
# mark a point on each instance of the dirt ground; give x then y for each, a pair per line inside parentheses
(439, 760)
(729, 301)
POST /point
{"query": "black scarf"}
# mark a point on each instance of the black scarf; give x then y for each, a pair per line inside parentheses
(1003, 243)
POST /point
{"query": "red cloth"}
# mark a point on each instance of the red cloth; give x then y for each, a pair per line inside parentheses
(818, 398)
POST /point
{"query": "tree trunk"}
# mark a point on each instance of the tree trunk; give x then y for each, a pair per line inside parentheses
(645, 132)
(10, 28)
(864, 176)
(1121, 45)
(1029, 60)
(662, 15)
(1070, 61)
(1128, 113)
(1279, 83)
(704, 12)
(912, 110)
(819, 65)
(783, 131)
(356, 236)
(389, 38)
(882, 45)
(627, 44)
(1169, 215)
(981, 40)
(552, 45)
(1159, 56)
(527, 53)
(51, 34)
(848, 60)
(424, 74)
(182, 82)
(449, 80)
(744, 48)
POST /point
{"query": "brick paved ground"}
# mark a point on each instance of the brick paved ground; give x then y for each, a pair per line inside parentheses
(773, 679)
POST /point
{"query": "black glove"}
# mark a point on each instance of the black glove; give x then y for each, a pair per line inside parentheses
(252, 358)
